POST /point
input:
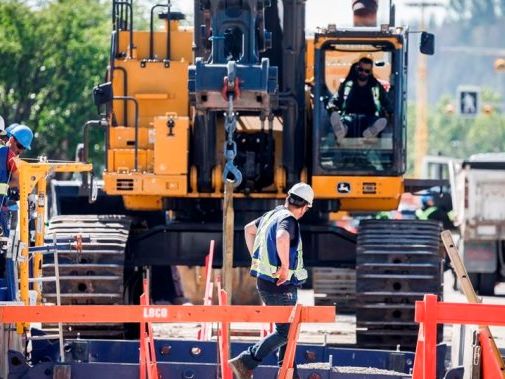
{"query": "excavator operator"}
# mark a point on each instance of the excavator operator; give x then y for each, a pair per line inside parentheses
(360, 106)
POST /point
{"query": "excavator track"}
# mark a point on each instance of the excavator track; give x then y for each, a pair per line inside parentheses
(335, 286)
(397, 262)
(93, 274)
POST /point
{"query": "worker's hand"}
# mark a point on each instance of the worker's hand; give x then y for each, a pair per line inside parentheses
(13, 194)
(282, 275)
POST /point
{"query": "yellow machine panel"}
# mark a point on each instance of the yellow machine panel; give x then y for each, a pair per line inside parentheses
(358, 193)
(157, 89)
(171, 147)
(121, 137)
(181, 42)
(145, 184)
(123, 160)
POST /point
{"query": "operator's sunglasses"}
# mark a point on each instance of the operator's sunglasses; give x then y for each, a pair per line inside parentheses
(19, 146)
(365, 70)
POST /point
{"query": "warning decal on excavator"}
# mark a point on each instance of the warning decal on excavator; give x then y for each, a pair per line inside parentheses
(343, 187)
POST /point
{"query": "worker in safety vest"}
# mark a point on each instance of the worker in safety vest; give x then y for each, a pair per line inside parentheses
(3, 133)
(20, 139)
(275, 244)
(360, 106)
(438, 212)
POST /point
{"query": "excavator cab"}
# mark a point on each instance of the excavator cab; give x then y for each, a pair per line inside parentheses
(361, 165)
(337, 59)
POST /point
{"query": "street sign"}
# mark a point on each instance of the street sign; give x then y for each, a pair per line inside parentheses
(468, 101)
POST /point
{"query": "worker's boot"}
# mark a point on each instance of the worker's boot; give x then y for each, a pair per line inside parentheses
(239, 368)
(339, 128)
(374, 130)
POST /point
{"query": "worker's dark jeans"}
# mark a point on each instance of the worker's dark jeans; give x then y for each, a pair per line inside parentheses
(253, 356)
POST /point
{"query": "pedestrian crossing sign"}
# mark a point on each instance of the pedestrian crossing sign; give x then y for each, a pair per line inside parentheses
(469, 101)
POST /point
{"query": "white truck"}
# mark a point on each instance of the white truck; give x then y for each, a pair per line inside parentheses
(477, 188)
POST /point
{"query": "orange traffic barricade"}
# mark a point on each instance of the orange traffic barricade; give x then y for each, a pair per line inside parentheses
(221, 314)
(430, 312)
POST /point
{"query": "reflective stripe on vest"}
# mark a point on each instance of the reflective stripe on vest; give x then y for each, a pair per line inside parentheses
(375, 94)
(424, 214)
(265, 260)
(4, 175)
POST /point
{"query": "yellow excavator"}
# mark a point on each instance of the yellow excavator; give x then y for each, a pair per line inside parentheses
(242, 98)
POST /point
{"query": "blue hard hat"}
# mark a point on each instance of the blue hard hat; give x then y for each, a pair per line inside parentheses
(23, 134)
(10, 127)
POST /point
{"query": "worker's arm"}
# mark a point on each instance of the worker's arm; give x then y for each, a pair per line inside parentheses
(282, 242)
(250, 231)
(14, 181)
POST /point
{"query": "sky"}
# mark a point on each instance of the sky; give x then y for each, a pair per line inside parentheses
(318, 15)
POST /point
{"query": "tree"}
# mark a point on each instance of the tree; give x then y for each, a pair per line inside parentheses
(454, 136)
(478, 12)
(55, 54)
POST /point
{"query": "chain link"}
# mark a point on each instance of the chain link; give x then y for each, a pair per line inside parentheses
(231, 172)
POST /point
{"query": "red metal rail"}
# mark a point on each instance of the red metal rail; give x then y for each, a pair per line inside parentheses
(431, 312)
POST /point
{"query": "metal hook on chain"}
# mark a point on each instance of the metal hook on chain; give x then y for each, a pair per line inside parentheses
(231, 172)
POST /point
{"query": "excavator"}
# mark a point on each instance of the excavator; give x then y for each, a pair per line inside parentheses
(241, 100)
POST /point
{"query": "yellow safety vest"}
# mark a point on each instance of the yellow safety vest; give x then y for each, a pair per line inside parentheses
(265, 260)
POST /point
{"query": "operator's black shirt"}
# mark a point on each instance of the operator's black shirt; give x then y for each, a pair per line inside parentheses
(291, 226)
(360, 100)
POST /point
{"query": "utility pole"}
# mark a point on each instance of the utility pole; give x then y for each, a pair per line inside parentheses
(421, 133)
(499, 66)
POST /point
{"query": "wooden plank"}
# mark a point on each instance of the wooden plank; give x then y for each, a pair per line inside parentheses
(488, 344)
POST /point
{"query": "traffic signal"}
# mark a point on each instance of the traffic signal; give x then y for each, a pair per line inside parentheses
(469, 101)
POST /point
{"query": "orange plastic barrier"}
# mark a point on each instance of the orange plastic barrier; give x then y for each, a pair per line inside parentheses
(222, 314)
(147, 359)
(224, 340)
(204, 332)
(431, 312)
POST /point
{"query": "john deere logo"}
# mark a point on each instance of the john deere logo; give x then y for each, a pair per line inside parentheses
(343, 187)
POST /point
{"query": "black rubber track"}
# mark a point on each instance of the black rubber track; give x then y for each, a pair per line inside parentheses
(93, 275)
(397, 263)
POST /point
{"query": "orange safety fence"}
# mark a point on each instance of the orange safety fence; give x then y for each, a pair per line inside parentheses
(147, 359)
(205, 330)
(221, 314)
(430, 312)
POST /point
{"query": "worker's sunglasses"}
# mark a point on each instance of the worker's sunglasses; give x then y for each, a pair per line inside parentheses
(365, 70)
(19, 146)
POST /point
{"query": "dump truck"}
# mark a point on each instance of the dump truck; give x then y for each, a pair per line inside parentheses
(478, 199)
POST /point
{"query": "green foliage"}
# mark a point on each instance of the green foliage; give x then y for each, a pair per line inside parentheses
(52, 56)
(455, 136)
(477, 11)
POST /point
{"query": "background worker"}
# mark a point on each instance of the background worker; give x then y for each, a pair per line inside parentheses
(436, 209)
(3, 133)
(360, 106)
(20, 139)
(275, 244)
(364, 12)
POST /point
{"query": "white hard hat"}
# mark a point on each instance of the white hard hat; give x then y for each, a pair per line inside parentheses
(2, 124)
(303, 191)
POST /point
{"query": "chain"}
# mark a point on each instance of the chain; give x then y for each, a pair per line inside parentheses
(231, 172)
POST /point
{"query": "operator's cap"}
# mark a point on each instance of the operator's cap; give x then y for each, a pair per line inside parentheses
(3, 132)
(303, 191)
(364, 6)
